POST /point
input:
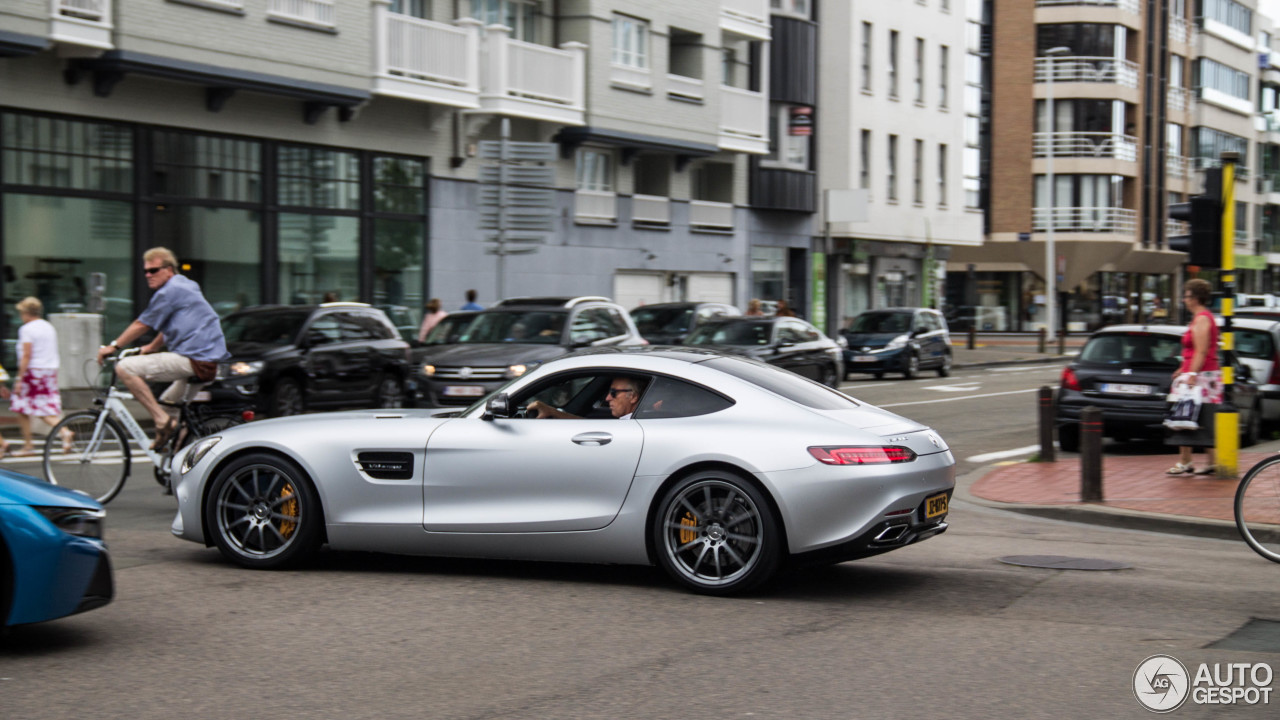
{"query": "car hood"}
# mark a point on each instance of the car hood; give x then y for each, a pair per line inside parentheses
(872, 340)
(19, 489)
(491, 354)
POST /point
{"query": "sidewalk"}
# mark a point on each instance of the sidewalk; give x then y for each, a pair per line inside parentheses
(992, 349)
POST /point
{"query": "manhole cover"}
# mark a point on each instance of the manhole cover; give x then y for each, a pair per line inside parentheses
(1062, 562)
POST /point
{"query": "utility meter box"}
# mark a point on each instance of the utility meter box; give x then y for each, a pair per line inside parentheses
(79, 337)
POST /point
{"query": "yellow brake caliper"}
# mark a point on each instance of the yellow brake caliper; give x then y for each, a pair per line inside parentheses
(290, 508)
(688, 536)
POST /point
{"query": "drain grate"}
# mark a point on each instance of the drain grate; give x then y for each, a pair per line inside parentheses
(1257, 635)
(1062, 562)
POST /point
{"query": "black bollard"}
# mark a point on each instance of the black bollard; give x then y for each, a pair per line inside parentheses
(1046, 424)
(1042, 337)
(1062, 343)
(973, 336)
(1091, 454)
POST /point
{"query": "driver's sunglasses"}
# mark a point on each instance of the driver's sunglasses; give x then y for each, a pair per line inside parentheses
(154, 270)
(615, 392)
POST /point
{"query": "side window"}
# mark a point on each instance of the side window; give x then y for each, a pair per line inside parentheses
(671, 398)
(810, 333)
(324, 330)
(359, 326)
(1253, 344)
(590, 325)
(790, 332)
(571, 394)
(617, 326)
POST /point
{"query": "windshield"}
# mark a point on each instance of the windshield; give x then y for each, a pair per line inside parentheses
(1133, 349)
(881, 323)
(651, 321)
(449, 329)
(544, 327)
(733, 333)
(276, 328)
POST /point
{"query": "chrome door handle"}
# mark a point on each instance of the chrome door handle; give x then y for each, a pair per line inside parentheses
(593, 438)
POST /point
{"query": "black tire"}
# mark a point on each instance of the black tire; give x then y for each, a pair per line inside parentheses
(390, 393)
(200, 427)
(1253, 429)
(1069, 438)
(1256, 507)
(878, 376)
(945, 368)
(96, 466)
(262, 512)
(720, 514)
(830, 377)
(910, 366)
(286, 398)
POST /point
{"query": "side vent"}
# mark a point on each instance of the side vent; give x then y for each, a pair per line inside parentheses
(386, 465)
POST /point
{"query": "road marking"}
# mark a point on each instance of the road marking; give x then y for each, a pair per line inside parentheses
(1021, 368)
(860, 386)
(961, 387)
(1002, 454)
(967, 397)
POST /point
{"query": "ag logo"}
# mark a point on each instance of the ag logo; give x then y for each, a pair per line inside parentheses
(1161, 683)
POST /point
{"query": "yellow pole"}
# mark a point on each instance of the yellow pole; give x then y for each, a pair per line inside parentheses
(1227, 421)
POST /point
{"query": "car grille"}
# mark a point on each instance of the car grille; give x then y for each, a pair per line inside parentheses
(470, 373)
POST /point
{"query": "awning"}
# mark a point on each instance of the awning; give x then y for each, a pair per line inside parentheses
(631, 143)
(1082, 258)
(14, 44)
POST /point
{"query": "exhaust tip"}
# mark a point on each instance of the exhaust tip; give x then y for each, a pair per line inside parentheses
(891, 533)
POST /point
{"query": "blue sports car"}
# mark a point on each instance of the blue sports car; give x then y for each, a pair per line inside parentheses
(53, 561)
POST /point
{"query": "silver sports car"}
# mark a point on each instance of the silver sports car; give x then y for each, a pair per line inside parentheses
(719, 469)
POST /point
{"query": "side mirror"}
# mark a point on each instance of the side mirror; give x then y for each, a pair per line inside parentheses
(783, 344)
(499, 406)
(1245, 372)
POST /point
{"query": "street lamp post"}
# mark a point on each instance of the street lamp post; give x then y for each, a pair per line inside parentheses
(1050, 257)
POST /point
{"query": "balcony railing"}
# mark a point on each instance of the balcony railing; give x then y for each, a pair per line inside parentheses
(1179, 31)
(651, 209)
(1126, 5)
(92, 10)
(1176, 166)
(424, 60)
(1088, 69)
(710, 215)
(1180, 99)
(311, 12)
(1204, 163)
(1269, 183)
(1086, 145)
(81, 22)
(685, 87)
(1085, 219)
(744, 120)
(535, 81)
(1173, 228)
(746, 17)
(594, 206)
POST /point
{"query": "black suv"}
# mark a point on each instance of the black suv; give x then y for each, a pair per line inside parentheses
(670, 323)
(513, 337)
(286, 359)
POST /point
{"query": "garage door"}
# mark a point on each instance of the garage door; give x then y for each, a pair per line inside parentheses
(632, 289)
(710, 287)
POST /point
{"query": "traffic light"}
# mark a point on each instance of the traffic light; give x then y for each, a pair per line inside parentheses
(1204, 245)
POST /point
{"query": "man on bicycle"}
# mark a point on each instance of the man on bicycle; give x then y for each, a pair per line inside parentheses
(184, 321)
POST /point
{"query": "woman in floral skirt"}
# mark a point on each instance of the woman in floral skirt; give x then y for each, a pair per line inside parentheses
(35, 392)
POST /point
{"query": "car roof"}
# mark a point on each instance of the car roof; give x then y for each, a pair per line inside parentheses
(1176, 330)
(650, 306)
(1253, 323)
(555, 301)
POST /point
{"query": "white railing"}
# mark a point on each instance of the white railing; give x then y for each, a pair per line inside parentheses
(752, 10)
(1126, 5)
(1088, 69)
(1086, 145)
(707, 214)
(93, 10)
(595, 206)
(1180, 99)
(1085, 219)
(1269, 183)
(1178, 31)
(1176, 166)
(744, 112)
(514, 68)
(653, 209)
(315, 12)
(685, 87)
(426, 50)
(1173, 228)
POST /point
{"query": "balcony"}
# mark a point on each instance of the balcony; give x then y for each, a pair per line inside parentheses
(311, 13)
(522, 79)
(1122, 221)
(685, 88)
(1096, 145)
(744, 120)
(595, 207)
(1176, 166)
(1179, 30)
(428, 61)
(650, 210)
(1088, 70)
(1126, 5)
(749, 18)
(1174, 228)
(86, 23)
(1180, 99)
(707, 215)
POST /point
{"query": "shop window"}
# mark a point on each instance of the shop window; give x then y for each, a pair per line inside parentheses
(220, 248)
(318, 254)
(318, 178)
(205, 167)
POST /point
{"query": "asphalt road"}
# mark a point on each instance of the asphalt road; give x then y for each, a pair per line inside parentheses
(938, 629)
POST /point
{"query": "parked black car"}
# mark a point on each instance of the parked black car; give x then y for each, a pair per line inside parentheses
(787, 342)
(905, 340)
(1126, 371)
(512, 337)
(286, 359)
(670, 323)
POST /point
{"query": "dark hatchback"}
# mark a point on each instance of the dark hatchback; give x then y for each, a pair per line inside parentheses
(905, 340)
(287, 359)
(1126, 371)
(511, 338)
(671, 323)
(787, 342)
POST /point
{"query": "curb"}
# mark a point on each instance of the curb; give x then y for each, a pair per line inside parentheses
(1016, 361)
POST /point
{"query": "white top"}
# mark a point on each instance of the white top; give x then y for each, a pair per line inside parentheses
(44, 343)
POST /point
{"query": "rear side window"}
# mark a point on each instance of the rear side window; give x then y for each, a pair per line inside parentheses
(783, 382)
(1133, 349)
(1254, 344)
(671, 398)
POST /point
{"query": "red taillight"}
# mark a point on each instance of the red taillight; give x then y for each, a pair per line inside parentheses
(1275, 370)
(862, 455)
(247, 415)
(1069, 379)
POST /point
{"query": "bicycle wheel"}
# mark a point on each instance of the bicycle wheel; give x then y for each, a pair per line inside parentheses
(98, 459)
(198, 425)
(1258, 508)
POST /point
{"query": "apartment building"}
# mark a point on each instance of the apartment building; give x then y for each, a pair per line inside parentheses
(898, 141)
(1102, 113)
(290, 148)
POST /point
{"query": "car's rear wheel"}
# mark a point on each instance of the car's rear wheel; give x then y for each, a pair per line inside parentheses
(910, 366)
(716, 534)
(1069, 438)
(263, 512)
(945, 368)
(390, 392)
(286, 398)
(1253, 429)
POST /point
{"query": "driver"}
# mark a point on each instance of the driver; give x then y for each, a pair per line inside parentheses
(623, 396)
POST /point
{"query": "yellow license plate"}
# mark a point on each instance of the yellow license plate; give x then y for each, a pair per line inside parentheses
(935, 506)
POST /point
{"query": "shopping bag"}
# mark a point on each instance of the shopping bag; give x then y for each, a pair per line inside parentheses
(1185, 413)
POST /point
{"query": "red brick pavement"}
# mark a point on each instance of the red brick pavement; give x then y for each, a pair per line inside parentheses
(1132, 483)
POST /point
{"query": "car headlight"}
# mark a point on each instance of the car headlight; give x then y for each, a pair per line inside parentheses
(83, 522)
(197, 453)
(515, 371)
(428, 370)
(242, 368)
(898, 342)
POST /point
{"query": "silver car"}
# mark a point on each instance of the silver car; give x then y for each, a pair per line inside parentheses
(725, 470)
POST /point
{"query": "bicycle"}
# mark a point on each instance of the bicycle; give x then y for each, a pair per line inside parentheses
(1257, 508)
(96, 458)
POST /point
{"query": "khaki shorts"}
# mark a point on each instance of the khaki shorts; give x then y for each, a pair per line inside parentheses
(161, 367)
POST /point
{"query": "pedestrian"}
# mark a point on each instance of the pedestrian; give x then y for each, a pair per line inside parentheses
(1199, 366)
(4, 395)
(186, 323)
(35, 392)
(430, 318)
(784, 310)
(753, 308)
(471, 303)
(329, 297)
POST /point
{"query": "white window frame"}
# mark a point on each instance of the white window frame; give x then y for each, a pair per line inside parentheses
(524, 13)
(944, 68)
(630, 41)
(891, 161)
(893, 64)
(920, 71)
(866, 57)
(595, 169)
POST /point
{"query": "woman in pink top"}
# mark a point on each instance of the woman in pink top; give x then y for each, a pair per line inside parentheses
(1199, 355)
(430, 318)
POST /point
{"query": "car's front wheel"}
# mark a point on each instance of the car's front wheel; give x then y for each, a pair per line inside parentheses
(945, 368)
(910, 366)
(286, 398)
(264, 513)
(716, 534)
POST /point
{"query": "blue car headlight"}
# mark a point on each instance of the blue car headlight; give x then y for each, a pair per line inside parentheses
(82, 522)
(197, 453)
